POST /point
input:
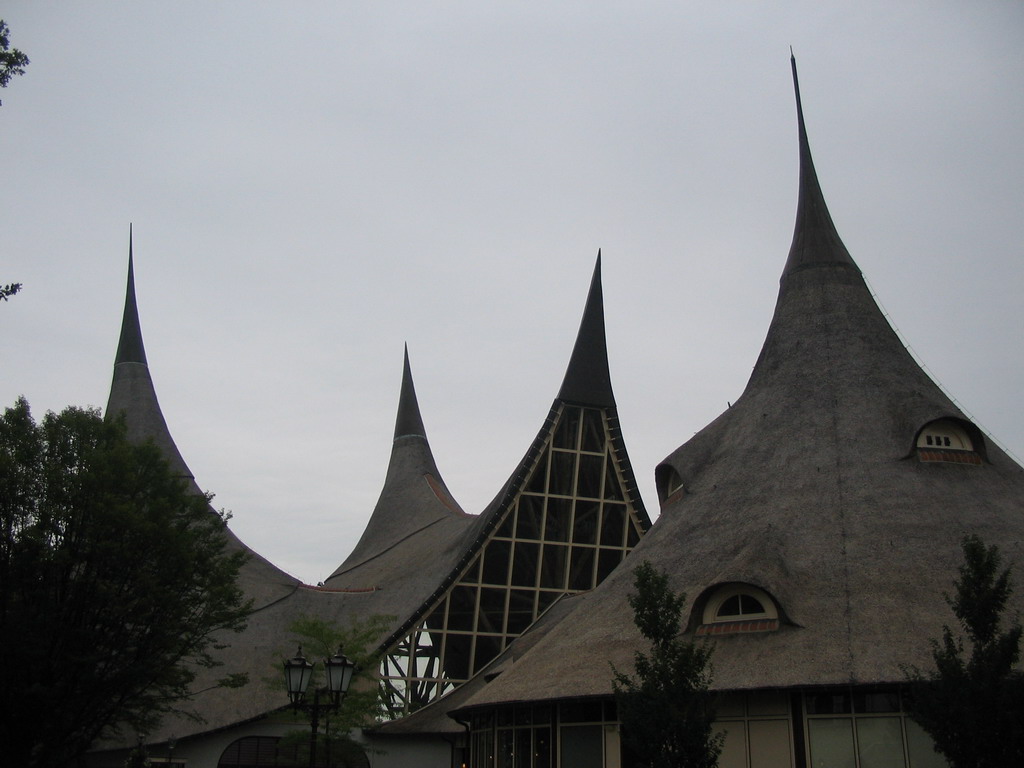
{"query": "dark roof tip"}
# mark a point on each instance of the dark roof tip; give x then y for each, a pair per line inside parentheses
(587, 379)
(815, 239)
(409, 421)
(130, 348)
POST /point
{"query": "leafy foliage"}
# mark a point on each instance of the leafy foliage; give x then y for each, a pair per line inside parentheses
(114, 579)
(973, 704)
(6, 291)
(319, 639)
(12, 61)
(667, 709)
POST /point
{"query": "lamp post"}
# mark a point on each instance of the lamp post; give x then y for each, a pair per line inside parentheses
(298, 671)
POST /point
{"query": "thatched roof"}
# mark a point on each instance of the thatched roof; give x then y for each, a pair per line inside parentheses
(810, 488)
(133, 397)
(416, 520)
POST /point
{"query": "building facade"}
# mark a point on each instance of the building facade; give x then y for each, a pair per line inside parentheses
(814, 527)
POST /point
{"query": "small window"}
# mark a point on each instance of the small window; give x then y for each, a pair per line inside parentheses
(948, 441)
(945, 433)
(738, 608)
(668, 481)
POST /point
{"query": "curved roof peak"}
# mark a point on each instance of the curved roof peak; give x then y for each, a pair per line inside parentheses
(414, 497)
(587, 379)
(132, 394)
(815, 239)
(129, 347)
(409, 421)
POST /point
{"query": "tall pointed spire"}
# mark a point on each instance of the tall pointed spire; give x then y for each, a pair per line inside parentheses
(414, 496)
(587, 380)
(130, 348)
(409, 421)
(132, 394)
(815, 239)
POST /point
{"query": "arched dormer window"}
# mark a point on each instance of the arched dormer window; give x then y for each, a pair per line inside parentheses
(738, 608)
(668, 482)
(949, 441)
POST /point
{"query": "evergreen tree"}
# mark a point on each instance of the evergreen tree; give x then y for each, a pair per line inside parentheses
(973, 704)
(667, 710)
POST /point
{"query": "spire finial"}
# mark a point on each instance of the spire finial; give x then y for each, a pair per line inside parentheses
(587, 380)
(129, 347)
(815, 239)
(409, 421)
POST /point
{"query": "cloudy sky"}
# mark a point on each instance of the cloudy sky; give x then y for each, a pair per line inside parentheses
(314, 184)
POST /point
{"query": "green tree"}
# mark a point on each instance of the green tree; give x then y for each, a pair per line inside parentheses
(320, 638)
(667, 710)
(114, 580)
(973, 704)
(12, 61)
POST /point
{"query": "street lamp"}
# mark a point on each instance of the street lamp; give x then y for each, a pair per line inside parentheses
(298, 671)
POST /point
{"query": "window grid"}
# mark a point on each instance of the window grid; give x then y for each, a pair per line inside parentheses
(551, 541)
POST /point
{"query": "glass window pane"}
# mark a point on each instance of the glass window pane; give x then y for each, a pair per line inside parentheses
(768, 703)
(632, 535)
(541, 748)
(880, 742)
(584, 527)
(875, 701)
(589, 482)
(538, 480)
(770, 744)
(524, 565)
(544, 599)
(556, 525)
(613, 524)
(486, 649)
(520, 610)
(831, 742)
(612, 489)
(563, 473)
(492, 610)
(524, 747)
(921, 748)
(568, 428)
(552, 567)
(496, 558)
(461, 607)
(531, 510)
(734, 750)
(506, 748)
(582, 746)
(473, 572)
(505, 529)
(456, 656)
(607, 561)
(581, 569)
(580, 712)
(593, 431)
(827, 703)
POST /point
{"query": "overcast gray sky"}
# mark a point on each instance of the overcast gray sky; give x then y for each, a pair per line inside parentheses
(314, 184)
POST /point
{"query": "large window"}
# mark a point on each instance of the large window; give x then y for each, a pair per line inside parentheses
(859, 728)
(568, 525)
(569, 735)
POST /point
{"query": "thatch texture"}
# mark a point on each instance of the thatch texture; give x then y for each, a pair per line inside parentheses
(810, 488)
